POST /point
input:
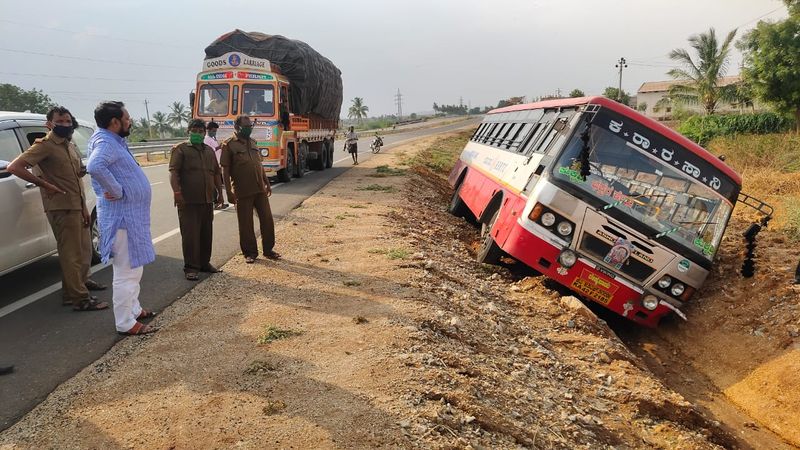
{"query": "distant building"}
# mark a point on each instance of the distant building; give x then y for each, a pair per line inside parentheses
(652, 96)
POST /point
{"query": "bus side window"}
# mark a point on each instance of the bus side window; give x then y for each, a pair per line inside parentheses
(497, 133)
(522, 133)
(551, 134)
(511, 136)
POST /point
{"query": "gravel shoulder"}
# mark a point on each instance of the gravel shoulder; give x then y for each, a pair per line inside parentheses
(376, 329)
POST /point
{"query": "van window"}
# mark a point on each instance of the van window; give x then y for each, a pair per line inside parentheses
(9, 145)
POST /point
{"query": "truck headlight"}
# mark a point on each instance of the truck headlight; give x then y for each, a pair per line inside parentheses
(677, 289)
(548, 219)
(264, 152)
(664, 282)
(567, 258)
(650, 302)
(564, 228)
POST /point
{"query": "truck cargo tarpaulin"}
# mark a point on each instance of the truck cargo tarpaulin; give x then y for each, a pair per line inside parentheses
(316, 83)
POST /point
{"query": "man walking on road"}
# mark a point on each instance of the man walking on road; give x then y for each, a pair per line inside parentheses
(123, 213)
(211, 141)
(248, 188)
(351, 145)
(195, 176)
(57, 162)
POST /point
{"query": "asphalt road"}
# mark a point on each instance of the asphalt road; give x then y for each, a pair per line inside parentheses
(49, 343)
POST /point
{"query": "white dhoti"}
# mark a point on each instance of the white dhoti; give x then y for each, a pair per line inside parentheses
(126, 284)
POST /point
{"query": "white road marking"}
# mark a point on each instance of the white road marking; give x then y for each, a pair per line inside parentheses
(38, 295)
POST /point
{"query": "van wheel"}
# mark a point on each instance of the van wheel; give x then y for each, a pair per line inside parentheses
(457, 206)
(95, 237)
(490, 252)
(285, 174)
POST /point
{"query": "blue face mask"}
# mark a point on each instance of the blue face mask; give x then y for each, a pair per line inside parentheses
(62, 131)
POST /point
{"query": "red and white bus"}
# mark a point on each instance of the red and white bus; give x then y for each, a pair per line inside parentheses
(607, 202)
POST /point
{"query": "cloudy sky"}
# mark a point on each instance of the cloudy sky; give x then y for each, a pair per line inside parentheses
(432, 50)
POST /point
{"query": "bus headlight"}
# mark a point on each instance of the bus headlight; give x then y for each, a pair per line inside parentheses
(567, 258)
(664, 282)
(548, 219)
(564, 228)
(264, 152)
(678, 289)
(650, 302)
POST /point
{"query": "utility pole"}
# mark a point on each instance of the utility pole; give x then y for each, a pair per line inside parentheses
(398, 99)
(149, 127)
(621, 64)
(558, 92)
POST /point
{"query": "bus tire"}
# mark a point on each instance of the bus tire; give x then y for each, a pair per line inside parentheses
(302, 160)
(285, 174)
(457, 206)
(489, 252)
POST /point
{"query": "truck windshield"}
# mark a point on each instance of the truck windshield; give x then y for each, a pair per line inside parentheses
(646, 189)
(213, 99)
(258, 99)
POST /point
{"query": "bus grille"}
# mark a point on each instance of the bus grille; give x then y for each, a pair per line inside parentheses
(599, 249)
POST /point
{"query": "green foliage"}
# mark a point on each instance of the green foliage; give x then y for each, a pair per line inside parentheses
(613, 93)
(702, 129)
(14, 98)
(386, 171)
(455, 110)
(700, 78)
(441, 156)
(178, 114)
(575, 93)
(272, 333)
(358, 110)
(771, 53)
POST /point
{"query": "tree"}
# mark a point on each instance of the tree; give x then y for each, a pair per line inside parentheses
(160, 123)
(14, 98)
(358, 110)
(641, 107)
(613, 93)
(771, 53)
(178, 114)
(576, 93)
(700, 78)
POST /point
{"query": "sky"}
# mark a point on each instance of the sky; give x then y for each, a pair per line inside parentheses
(443, 51)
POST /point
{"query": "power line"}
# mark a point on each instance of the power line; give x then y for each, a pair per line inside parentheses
(89, 78)
(80, 58)
(27, 25)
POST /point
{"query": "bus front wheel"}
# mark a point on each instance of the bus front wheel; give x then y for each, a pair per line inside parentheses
(490, 252)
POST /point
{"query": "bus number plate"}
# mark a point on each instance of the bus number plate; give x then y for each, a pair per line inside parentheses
(595, 287)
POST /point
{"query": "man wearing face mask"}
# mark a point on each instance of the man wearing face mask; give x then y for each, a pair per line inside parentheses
(211, 141)
(248, 188)
(123, 214)
(194, 176)
(58, 172)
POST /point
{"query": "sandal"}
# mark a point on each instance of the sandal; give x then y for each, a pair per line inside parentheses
(145, 314)
(90, 304)
(138, 329)
(191, 276)
(272, 254)
(249, 259)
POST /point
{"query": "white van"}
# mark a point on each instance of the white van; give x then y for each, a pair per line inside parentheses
(25, 234)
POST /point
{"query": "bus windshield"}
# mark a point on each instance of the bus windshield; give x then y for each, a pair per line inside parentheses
(646, 189)
(213, 100)
(258, 99)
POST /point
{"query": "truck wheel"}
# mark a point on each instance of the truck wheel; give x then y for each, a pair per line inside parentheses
(323, 155)
(302, 160)
(490, 252)
(285, 174)
(329, 152)
(319, 162)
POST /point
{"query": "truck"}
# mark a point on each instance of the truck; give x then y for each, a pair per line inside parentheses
(292, 94)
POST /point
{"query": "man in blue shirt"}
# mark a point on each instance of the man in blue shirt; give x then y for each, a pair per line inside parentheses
(123, 213)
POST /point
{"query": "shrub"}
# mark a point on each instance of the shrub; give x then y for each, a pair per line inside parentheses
(702, 129)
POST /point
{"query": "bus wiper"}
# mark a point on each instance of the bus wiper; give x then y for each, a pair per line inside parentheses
(586, 150)
(664, 233)
(619, 202)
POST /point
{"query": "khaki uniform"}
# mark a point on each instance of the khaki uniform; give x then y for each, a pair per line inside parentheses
(241, 160)
(58, 162)
(197, 170)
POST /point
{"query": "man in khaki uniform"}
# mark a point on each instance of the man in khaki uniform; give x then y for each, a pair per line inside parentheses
(248, 188)
(64, 202)
(195, 178)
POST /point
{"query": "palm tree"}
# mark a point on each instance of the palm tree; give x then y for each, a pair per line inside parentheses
(699, 80)
(358, 110)
(178, 114)
(160, 123)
